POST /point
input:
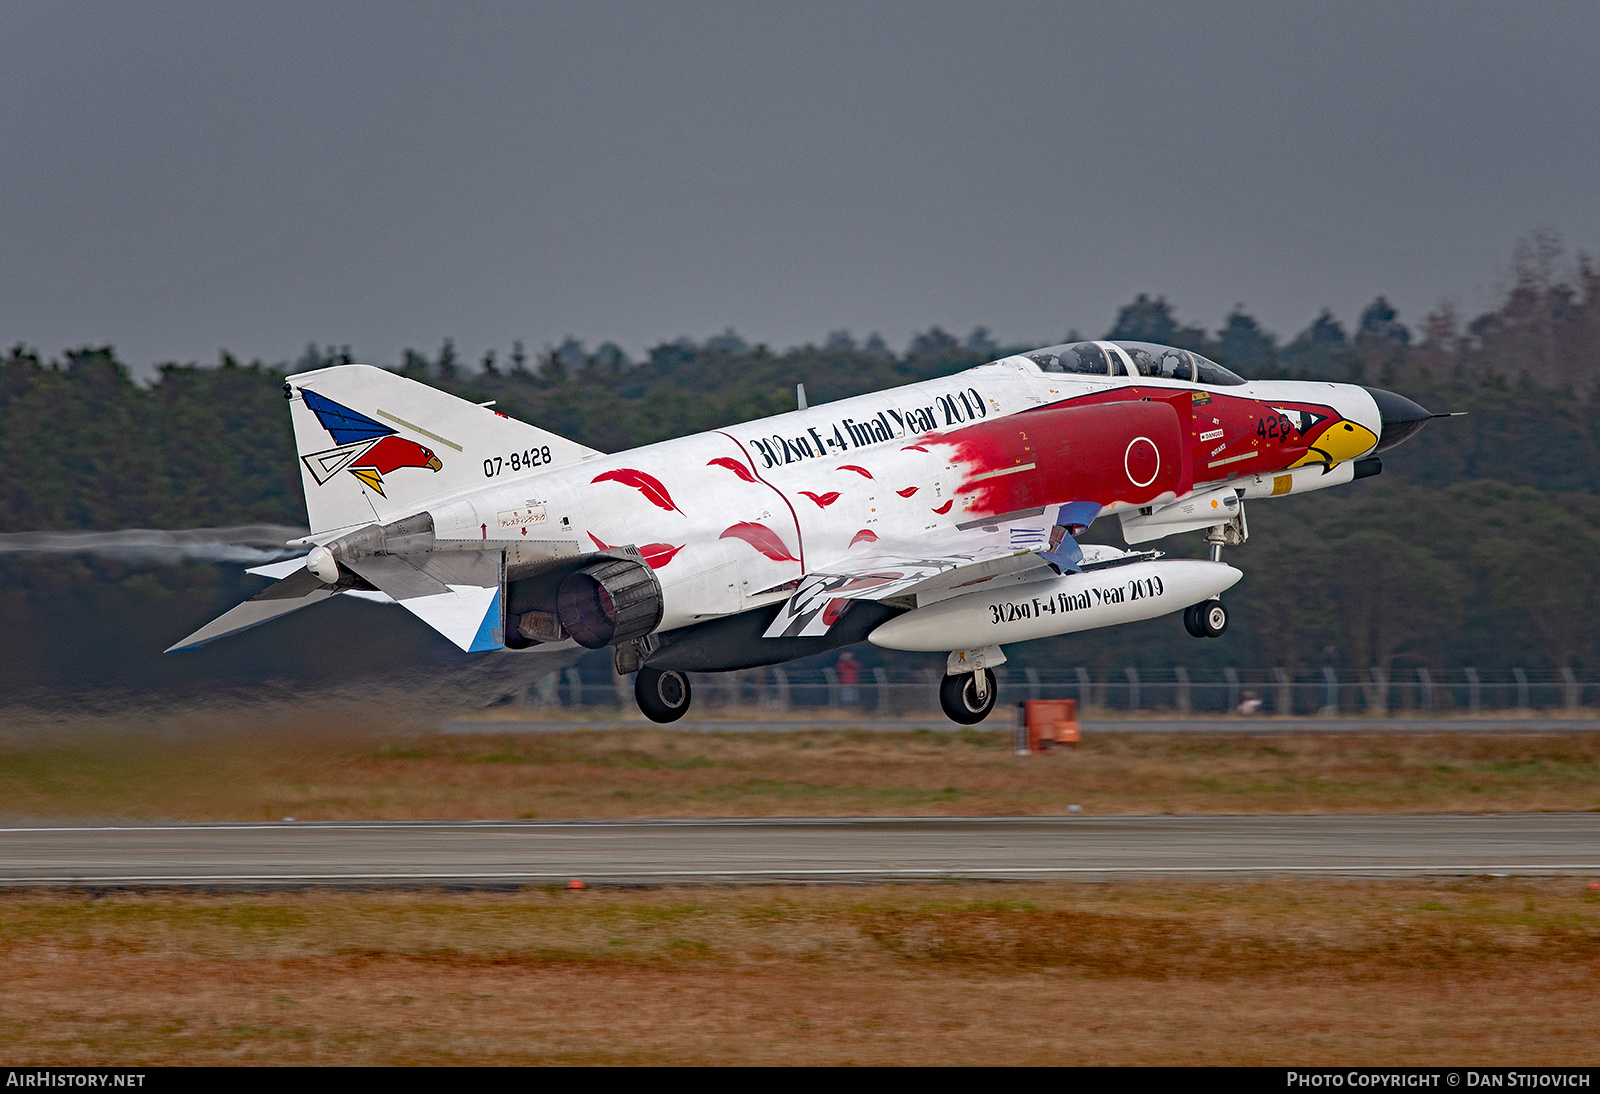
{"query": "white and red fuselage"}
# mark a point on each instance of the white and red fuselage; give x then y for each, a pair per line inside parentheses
(731, 519)
(938, 516)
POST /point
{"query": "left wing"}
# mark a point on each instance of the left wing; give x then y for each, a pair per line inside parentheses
(969, 555)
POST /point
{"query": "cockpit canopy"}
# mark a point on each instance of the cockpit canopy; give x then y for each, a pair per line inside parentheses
(1133, 359)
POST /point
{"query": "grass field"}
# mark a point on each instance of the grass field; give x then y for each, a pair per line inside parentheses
(349, 763)
(1487, 971)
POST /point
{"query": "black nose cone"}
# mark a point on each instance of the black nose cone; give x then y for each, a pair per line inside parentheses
(1401, 417)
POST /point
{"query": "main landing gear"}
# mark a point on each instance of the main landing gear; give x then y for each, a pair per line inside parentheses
(1206, 620)
(663, 694)
(968, 697)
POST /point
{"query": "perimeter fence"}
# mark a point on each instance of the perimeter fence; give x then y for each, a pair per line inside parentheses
(1130, 690)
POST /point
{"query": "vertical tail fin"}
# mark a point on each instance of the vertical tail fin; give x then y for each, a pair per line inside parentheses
(375, 447)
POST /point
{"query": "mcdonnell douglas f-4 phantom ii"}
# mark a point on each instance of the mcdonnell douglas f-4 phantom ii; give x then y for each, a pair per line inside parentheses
(941, 516)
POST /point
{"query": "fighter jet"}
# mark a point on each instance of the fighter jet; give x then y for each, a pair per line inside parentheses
(941, 516)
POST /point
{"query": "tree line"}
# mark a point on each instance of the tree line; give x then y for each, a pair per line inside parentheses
(1478, 545)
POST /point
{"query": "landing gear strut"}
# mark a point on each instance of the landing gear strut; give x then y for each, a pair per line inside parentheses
(1210, 619)
(663, 694)
(968, 697)
(1232, 534)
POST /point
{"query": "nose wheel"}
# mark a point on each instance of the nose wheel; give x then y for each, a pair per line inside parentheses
(662, 694)
(1206, 620)
(968, 697)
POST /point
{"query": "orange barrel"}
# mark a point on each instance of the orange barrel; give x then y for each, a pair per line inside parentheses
(1048, 722)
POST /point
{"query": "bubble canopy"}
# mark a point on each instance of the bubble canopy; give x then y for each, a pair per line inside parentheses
(1133, 359)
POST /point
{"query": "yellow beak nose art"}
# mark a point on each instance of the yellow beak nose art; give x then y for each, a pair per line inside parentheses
(1344, 441)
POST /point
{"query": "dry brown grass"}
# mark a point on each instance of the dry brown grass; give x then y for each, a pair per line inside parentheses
(357, 763)
(1405, 972)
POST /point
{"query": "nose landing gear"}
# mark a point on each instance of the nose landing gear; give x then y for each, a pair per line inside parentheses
(1210, 619)
(1206, 620)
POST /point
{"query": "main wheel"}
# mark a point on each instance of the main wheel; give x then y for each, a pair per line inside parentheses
(1191, 621)
(1213, 618)
(663, 694)
(958, 695)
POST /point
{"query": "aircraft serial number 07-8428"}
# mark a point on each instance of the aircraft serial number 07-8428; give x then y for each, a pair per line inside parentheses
(942, 516)
(526, 460)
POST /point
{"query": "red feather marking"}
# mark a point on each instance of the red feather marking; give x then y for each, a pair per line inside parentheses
(945, 508)
(822, 500)
(866, 535)
(862, 471)
(913, 448)
(762, 538)
(658, 555)
(835, 608)
(907, 492)
(648, 485)
(732, 465)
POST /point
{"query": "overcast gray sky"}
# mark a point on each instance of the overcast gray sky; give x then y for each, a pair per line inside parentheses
(177, 178)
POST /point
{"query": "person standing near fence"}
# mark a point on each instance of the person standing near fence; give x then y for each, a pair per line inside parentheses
(849, 670)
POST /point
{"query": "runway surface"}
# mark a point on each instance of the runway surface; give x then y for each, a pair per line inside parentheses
(1246, 726)
(680, 852)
